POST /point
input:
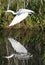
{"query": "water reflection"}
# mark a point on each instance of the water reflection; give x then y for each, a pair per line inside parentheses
(34, 41)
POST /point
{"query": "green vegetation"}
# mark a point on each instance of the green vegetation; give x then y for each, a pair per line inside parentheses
(30, 32)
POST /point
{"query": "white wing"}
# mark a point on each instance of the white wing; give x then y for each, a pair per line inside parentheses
(17, 46)
(18, 18)
(9, 56)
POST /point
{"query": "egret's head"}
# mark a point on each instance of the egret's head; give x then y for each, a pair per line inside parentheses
(31, 12)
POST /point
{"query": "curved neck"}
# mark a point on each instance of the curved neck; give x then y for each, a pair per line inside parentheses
(14, 13)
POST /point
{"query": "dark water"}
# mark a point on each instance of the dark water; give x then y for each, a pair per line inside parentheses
(32, 39)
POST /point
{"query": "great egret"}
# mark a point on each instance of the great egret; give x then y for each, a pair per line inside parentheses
(22, 52)
(20, 15)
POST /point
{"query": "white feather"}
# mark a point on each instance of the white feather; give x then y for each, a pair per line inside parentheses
(20, 15)
(18, 19)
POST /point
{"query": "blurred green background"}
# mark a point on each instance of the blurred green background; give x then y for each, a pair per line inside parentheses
(30, 32)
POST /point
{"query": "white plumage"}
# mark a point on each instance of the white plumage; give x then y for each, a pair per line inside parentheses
(20, 15)
(18, 19)
(20, 49)
(17, 46)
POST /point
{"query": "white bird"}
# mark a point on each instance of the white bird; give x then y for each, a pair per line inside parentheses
(20, 15)
(22, 52)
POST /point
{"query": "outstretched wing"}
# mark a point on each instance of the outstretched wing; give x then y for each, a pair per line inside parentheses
(18, 18)
(17, 46)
